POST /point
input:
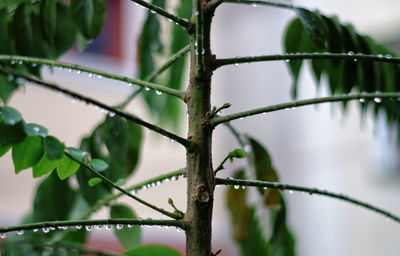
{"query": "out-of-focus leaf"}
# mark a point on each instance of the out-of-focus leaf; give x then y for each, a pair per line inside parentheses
(314, 25)
(65, 31)
(98, 164)
(54, 199)
(120, 182)
(4, 150)
(10, 3)
(54, 148)
(35, 130)
(6, 88)
(43, 167)
(130, 238)
(11, 134)
(94, 181)
(49, 16)
(9, 115)
(153, 250)
(27, 153)
(66, 167)
(89, 16)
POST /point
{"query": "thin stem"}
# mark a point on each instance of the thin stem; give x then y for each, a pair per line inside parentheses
(182, 22)
(73, 223)
(259, 2)
(302, 56)
(275, 185)
(221, 165)
(113, 110)
(93, 72)
(138, 186)
(124, 191)
(299, 103)
(157, 72)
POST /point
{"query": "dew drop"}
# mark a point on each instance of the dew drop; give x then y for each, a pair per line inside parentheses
(130, 84)
(90, 75)
(380, 56)
(287, 60)
(152, 11)
(35, 230)
(120, 226)
(108, 227)
(20, 232)
(111, 114)
(74, 100)
(172, 140)
(203, 51)
(355, 60)
(158, 92)
(378, 100)
(362, 100)
(99, 227)
(70, 70)
(254, 5)
(236, 186)
(265, 188)
(3, 235)
(247, 148)
(290, 191)
(78, 72)
(20, 62)
(78, 227)
(99, 76)
(388, 56)
(147, 89)
(170, 20)
(46, 230)
(63, 227)
(130, 225)
(350, 53)
(33, 64)
(89, 228)
(196, 13)
(236, 64)
(52, 228)
(243, 187)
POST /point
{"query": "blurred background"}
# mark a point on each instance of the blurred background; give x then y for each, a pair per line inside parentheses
(311, 146)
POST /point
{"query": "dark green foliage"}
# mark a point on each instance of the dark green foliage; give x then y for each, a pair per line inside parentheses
(27, 153)
(153, 250)
(130, 238)
(305, 34)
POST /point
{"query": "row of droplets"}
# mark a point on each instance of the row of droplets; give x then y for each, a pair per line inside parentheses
(88, 228)
(156, 183)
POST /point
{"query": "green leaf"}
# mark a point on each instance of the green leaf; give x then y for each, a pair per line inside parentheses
(66, 167)
(65, 31)
(237, 153)
(35, 130)
(27, 153)
(314, 26)
(11, 134)
(153, 250)
(53, 200)
(120, 182)
(94, 181)
(6, 88)
(10, 3)
(77, 153)
(43, 167)
(130, 238)
(49, 15)
(4, 150)
(98, 164)
(54, 148)
(10, 116)
(89, 16)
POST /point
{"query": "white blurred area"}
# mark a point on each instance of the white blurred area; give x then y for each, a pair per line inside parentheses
(318, 147)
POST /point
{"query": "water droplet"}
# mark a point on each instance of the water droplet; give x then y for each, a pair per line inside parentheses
(172, 140)
(78, 72)
(380, 56)
(99, 227)
(243, 187)
(158, 92)
(287, 60)
(195, 44)
(152, 11)
(290, 191)
(378, 100)
(130, 225)
(247, 148)
(254, 5)
(388, 56)
(111, 114)
(265, 188)
(350, 53)
(144, 187)
(63, 227)
(20, 232)
(203, 51)
(99, 76)
(35, 230)
(108, 227)
(196, 13)
(236, 64)
(20, 62)
(78, 227)
(355, 60)
(10, 77)
(236, 186)
(46, 230)
(120, 226)
(170, 20)
(90, 75)
(3, 235)
(70, 70)
(130, 84)
(362, 100)
(89, 228)
(12, 62)
(74, 100)
(146, 89)
(33, 64)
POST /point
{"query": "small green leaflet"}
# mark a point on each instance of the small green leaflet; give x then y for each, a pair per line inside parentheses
(77, 154)
(43, 167)
(35, 130)
(94, 181)
(66, 167)
(10, 116)
(27, 153)
(54, 148)
(237, 153)
(98, 164)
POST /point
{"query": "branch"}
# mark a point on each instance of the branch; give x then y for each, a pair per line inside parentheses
(299, 103)
(179, 21)
(109, 109)
(92, 72)
(112, 184)
(302, 56)
(280, 186)
(145, 184)
(64, 224)
(221, 165)
(254, 3)
(157, 72)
